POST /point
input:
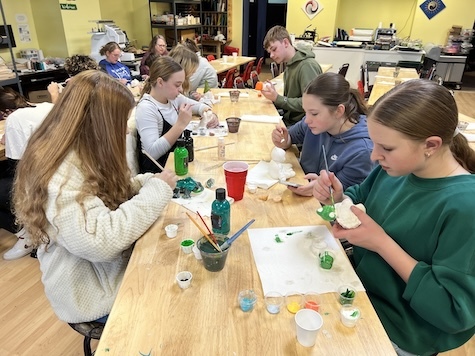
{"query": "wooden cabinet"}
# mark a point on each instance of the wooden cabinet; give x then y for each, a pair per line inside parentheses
(182, 21)
(217, 17)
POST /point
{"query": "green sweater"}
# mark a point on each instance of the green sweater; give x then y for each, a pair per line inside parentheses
(433, 221)
(299, 71)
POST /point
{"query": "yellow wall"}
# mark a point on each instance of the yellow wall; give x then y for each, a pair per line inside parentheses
(49, 28)
(11, 8)
(368, 14)
(76, 25)
(457, 12)
(324, 22)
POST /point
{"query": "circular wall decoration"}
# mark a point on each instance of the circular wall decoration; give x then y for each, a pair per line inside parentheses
(432, 7)
(311, 8)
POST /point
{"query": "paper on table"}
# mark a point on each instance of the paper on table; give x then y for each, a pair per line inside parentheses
(262, 118)
(259, 176)
(200, 202)
(290, 265)
(241, 95)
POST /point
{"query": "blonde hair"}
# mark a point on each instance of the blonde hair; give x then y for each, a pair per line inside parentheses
(189, 62)
(162, 67)
(421, 108)
(90, 119)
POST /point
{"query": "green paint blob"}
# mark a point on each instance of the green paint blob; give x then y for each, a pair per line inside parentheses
(327, 212)
(187, 243)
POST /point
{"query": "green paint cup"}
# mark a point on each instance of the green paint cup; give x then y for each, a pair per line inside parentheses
(327, 258)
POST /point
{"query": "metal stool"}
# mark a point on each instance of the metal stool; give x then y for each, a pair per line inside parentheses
(90, 330)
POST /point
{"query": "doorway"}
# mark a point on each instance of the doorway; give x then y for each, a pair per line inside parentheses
(273, 12)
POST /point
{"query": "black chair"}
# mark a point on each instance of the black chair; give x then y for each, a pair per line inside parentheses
(90, 330)
(343, 69)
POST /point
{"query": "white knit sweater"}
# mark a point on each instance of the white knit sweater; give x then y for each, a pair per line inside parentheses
(86, 259)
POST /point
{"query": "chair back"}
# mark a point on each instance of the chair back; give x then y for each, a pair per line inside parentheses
(246, 75)
(254, 79)
(239, 83)
(229, 78)
(259, 65)
(274, 69)
(343, 69)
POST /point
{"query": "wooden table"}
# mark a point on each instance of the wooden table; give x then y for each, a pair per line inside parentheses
(2, 147)
(153, 316)
(385, 81)
(220, 66)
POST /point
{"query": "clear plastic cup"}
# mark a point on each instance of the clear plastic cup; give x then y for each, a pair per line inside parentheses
(346, 294)
(274, 301)
(349, 315)
(247, 299)
(312, 301)
(294, 302)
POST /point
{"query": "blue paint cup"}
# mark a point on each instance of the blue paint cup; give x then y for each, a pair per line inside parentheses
(247, 299)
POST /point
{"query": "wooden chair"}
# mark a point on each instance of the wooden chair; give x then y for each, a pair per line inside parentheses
(228, 81)
(90, 330)
(259, 65)
(210, 57)
(254, 79)
(239, 83)
(343, 69)
(274, 69)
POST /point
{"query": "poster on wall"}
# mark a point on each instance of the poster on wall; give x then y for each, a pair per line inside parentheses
(24, 31)
(312, 8)
(432, 7)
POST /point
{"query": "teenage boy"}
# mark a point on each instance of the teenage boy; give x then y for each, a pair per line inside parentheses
(301, 68)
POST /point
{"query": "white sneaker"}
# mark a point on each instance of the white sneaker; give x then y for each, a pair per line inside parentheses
(21, 248)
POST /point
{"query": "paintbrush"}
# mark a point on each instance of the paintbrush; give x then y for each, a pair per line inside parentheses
(207, 228)
(214, 146)
(153, 160)
(204, 234)
(228, 243)
(328, 172)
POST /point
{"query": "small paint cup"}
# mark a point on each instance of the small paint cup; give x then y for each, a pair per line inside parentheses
(197, 252)
(187, 245)
(274, 301)
(312, 301)
(234, 95)
(326, 259)
(294, 302)
(184, 279)
(346, 294)
(171, 230)
(349, 315)
(247, 299)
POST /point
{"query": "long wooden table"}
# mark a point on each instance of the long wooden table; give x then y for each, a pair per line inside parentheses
(153, 316)
(220, 66)
(385, 81)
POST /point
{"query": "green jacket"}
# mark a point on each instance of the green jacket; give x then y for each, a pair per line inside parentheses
(432, 220)
(299, 71)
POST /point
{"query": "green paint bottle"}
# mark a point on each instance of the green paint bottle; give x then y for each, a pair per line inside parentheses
(181, 158)
(221, 213)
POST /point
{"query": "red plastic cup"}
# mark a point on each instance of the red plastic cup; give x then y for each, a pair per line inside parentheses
(235, 173)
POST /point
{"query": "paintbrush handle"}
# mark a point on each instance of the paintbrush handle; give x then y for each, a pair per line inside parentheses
(237, 234)
(204, 233)
(214, 146)
(153, 160)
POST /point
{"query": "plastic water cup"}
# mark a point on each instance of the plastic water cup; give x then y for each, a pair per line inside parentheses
(225, 58)
(213, 260)
(184, 279)
(308, 323)
(349, 315)
(233, 124)
(235, 173)
(234, 95)
(234, 56)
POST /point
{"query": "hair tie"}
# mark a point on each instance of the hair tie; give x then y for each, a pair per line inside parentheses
(456, 132)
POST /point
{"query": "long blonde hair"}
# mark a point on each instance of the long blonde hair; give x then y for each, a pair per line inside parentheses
(89, 119)
(188, 60)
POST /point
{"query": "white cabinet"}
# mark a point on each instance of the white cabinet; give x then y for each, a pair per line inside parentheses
(356, 57)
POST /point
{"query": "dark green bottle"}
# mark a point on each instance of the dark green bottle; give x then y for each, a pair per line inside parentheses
(189, 145)
(221, 213)
(181, 158)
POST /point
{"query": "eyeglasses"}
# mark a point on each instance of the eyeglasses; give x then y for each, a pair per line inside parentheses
(163, 46)
(116, 55)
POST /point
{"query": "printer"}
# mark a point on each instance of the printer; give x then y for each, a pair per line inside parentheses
(107, 31)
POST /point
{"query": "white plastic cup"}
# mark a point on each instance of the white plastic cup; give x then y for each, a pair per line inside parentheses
(196, 252)
(308, 323)
(235, 56)
(184, 279)
(171, 230)
(225, 58)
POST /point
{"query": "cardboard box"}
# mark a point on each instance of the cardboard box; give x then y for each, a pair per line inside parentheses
(39, 96)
